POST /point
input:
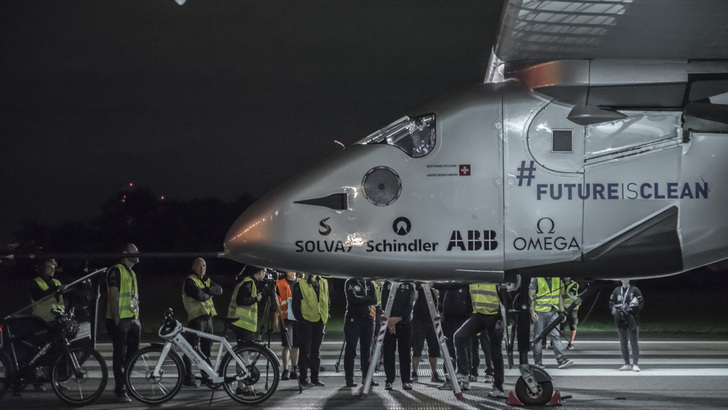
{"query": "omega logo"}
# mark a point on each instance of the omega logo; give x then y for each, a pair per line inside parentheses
(545, 227)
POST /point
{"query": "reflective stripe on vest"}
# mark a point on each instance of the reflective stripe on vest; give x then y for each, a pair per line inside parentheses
(196, 308)
(485, 298)
(314, 309)
(128, 290)
(247, 315)
(547, 299)
(571, 292)
(44, 308)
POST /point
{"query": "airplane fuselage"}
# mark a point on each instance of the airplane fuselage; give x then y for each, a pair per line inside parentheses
(495, 181)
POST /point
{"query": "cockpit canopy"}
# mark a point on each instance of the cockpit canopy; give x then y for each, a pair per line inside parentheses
(414, 136)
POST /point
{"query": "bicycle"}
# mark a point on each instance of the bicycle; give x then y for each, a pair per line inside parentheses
(249, 373)
(78, 374)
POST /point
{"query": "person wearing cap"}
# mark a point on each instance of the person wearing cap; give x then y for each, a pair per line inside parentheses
(122, 316)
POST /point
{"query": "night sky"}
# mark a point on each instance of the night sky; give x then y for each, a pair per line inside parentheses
(213, 98)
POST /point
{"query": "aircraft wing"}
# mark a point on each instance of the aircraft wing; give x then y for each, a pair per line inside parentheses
(533, 30)
(618, 54)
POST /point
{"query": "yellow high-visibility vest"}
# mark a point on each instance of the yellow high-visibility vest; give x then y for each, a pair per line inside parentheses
(547, 299)
(485, 298)
(247, 315)
(196, 308)
(314, 309)
(45, 307)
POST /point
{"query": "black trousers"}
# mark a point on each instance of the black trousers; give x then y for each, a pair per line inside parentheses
(125, 339)
(357, 329)
(204, 346)
(449, 326)
(481, 340)
(309, 356)
(493, 324)
(399, 341)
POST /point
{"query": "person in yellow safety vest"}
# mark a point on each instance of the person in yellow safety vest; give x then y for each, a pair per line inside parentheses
(197, 293)
(47, 299)
(546, 304)
(570, 292)
(289, 338)
(122, 316)
(42, 287)
(486, 317)
(310, 305)
(242, 314)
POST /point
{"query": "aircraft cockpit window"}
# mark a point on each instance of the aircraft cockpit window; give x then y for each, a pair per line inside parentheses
(414, 136)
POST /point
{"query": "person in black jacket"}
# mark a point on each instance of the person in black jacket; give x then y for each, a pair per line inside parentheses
(197, 293)
(626, 303)
(456, 310)
(358, 325)
(398, 332)
(422, 330)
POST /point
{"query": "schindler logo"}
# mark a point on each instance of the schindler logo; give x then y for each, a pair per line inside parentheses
(477, 241)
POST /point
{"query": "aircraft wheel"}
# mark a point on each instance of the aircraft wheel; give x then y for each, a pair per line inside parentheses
(545, 391)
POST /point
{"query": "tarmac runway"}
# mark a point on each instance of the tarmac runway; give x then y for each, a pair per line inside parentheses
(677, 372)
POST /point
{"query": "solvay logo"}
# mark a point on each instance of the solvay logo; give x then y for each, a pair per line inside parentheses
(402, 226)
(324, 229)
(477, 241)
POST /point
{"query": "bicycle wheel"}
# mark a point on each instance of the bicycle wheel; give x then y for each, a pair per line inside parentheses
(5, 371)
(144, 385)
(259, 382)
(80, 376)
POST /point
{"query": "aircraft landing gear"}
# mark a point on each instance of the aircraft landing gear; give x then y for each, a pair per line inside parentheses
(534, 387)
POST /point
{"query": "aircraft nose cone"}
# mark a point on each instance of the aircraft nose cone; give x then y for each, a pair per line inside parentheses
(254, 238)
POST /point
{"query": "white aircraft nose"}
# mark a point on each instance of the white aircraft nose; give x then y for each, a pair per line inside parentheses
(251, 239)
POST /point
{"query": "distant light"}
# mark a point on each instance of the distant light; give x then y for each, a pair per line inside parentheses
(131, 184)
(162, 197)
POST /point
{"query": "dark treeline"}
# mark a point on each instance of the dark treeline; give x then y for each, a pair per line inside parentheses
(138, 215)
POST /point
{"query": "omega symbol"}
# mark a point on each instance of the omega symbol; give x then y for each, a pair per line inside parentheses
(545, 223)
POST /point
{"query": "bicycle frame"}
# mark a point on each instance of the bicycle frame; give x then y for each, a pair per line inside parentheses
(177, 339)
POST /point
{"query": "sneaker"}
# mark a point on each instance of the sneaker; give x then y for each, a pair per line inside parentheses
(445, 386)
(123, 398)
(407, 386)
(387, 386)
(239, 391)
(294, 374)
(305, 383)
(286, 375)
(351, 384)
(473, 378)
(540, 366)
(635, 368)
(317, 383)
(63, 386)
(488, 379)
(414, 378)
(498, 391)
(39, 387)
(464, 385)
(191, 382)
(436, 378)
(625, 368)
(570, 346)
(563, 364)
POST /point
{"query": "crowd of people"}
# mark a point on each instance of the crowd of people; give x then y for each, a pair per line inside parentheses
(299, 304)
